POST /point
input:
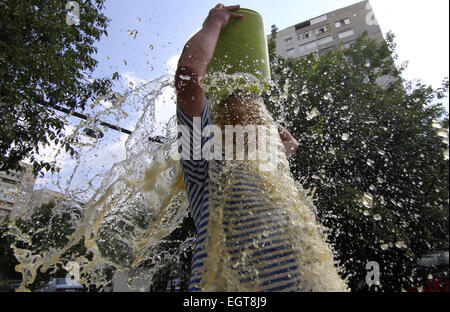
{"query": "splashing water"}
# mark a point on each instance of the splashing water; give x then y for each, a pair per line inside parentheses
(286, 204)
(132, 33)
(141, 200)
(143, 196)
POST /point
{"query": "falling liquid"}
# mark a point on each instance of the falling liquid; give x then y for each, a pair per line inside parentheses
(367, 200)
(141, 201)
(345, 137)
(184, 77)
(312, 114)
(132, 33)
(400, 245)
(286, 205)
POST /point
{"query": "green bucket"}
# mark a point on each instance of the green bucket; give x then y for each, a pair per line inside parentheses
(241, 58)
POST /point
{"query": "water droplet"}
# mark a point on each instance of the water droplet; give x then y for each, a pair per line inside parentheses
(296, 110)
(370, 162)
(377, 217)
(327, 96)
(367, 200)
(366, 213)
(400, 245)
(184, 77)
(443, 133)
(345, 137)
(312, 114)
(381, 152)
(384, 246)
(132, 33)
(372, 187)
(436, 124)
(446, 154)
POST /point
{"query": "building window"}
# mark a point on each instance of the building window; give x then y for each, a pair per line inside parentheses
(6, 203)
(7, 198)
(318, 19)
(288, 40)
(321, 30)
(6, 180)
(306, 35)
(290, 51)
(302, 25)
(346, 33)
(340, 23)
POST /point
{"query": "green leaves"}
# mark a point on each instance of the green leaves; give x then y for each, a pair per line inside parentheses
(49, 227)
(363, 130)
(44, 62)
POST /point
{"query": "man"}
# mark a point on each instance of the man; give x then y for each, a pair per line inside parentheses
(192, 103)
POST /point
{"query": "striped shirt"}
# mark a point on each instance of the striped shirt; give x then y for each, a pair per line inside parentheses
(255, 228)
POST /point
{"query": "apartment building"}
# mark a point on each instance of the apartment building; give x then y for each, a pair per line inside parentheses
(16, 190)
(44, 196)
(327, 31)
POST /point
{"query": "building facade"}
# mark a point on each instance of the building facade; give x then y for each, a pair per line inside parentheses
(16, 190)
(44, 196)
(327, 31)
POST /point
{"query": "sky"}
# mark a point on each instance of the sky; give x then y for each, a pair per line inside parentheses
(421, 29)
(146, 37)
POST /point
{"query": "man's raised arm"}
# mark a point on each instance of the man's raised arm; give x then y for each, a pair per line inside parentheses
(194, 60)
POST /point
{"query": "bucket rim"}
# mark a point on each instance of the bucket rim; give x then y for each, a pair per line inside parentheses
(248, 10)
(241, 10)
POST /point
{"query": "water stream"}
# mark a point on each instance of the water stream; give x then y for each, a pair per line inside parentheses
(134, 206)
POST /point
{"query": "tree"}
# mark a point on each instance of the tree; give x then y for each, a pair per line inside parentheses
(369, 147)
(45, 63)
(7, 259)
(49, 227)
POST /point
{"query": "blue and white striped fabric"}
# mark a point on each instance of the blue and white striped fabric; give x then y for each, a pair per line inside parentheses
(254, 227)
